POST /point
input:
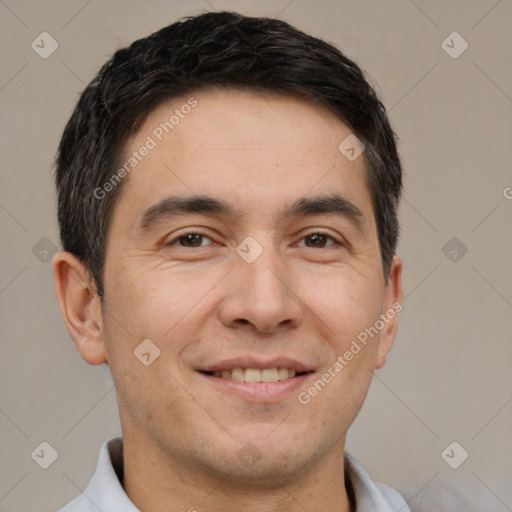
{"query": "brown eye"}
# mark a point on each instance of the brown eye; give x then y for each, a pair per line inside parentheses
(189, 240)
(319, 240)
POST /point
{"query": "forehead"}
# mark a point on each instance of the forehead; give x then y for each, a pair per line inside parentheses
(243, 120)
(232, 142)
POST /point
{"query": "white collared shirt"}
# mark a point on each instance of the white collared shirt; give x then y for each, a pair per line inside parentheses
(104, 493)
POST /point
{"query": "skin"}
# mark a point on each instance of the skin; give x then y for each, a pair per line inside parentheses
(203, 303)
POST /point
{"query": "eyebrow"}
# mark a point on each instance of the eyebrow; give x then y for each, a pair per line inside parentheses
(174, 206)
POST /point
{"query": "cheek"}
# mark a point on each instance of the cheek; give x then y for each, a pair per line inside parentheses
(151, 301)
(169, 306)
(350, 305)
(148, 308)
(347, 304)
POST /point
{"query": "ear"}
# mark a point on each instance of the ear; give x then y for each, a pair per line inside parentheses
(392, 305)
(80, 306)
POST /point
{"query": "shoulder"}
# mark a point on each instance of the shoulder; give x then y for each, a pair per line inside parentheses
(80, 504)
(442, 496)
(390, 495)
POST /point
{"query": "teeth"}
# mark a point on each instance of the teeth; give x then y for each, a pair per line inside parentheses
(253, 375)
(284, 373)
(269, 375)
(237, 374)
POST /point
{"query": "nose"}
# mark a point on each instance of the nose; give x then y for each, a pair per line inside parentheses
(261, 296)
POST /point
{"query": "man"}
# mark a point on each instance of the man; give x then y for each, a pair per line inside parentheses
(227, 198)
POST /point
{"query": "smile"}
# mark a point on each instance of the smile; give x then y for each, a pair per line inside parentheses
(254, 375)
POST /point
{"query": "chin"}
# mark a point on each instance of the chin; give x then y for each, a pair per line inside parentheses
(271, 471)
(272, 462)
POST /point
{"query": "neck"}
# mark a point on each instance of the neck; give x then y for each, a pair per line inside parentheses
(157, 482)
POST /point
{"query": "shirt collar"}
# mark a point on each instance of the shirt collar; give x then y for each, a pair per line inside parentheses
(369, 496)
(105, 489)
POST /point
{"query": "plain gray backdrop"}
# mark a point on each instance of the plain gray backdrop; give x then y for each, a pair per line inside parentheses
(448, 377)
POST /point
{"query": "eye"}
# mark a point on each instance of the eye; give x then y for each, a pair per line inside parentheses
(319, 240)
(190, 240)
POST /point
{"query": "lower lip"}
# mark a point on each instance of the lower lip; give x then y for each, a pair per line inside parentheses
(258, 391)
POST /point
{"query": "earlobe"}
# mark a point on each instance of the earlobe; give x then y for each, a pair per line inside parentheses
(392, 305)
(80, 306)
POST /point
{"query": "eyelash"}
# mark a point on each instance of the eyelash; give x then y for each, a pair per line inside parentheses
(322, 233)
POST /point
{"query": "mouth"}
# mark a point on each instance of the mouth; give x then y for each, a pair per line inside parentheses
(256, 380)
(255, 375)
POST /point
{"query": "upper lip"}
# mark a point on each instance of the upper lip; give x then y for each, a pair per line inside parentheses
(254, 362)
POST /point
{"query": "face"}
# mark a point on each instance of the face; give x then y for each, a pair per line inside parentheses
(251, 292)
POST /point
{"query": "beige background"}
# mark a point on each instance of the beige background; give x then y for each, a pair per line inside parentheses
(448, 378)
